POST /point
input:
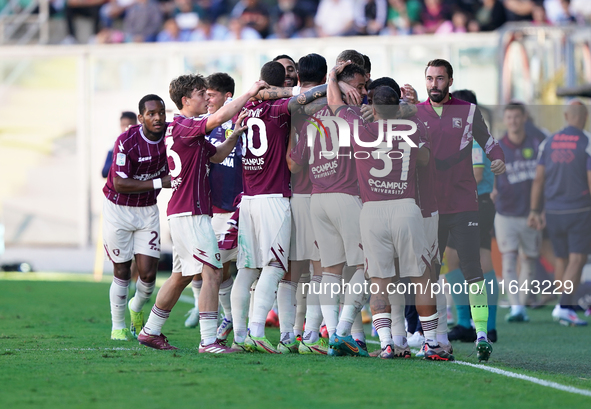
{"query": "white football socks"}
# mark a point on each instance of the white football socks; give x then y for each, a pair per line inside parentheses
(383, 323)
(240, 297)
(143, 292)
(330, 285)
(156, 321)
(118, 299)
(313, 311)
(397, 304)
(286, 308)
(357, 331)
(301, 300)
(429, 325)
(264, 297)
(225, 297)
(355, 299)
(441, 319)
(208, 325)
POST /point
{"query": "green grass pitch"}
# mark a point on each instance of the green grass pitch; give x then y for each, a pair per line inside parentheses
(56, 352)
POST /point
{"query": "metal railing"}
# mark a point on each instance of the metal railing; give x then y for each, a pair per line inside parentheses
(23, 24)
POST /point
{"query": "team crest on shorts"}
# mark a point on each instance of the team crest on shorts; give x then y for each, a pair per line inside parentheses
(456, 122)
(116, 252)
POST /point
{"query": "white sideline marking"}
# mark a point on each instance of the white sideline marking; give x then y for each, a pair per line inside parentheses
(498, 371)
(542, 382)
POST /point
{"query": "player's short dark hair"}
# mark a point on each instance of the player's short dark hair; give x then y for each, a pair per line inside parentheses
(221, 82)
(384, 99)
(273, 73)
(367, 64)
(149, 97)
(349, 72)
(312, 68)
(384, 81)
(183, 86)
(355, 57)
(441, 63)
(465, 95)
(515, 106)
(129, 115)
(284, 56)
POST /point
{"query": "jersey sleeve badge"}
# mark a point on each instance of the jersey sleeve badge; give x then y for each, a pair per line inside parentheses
(121, 158)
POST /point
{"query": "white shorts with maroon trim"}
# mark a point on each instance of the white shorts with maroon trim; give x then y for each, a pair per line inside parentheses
(335, 218)
(129, 230)
(390, 229)
(193, 244)
(264, 231)
(431, 225)
(219, 223)
(303, 244)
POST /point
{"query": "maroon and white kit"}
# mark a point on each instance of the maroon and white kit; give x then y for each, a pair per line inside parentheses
(131, 223)
(189, 209)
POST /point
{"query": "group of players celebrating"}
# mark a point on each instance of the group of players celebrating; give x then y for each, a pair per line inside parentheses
(268, 180)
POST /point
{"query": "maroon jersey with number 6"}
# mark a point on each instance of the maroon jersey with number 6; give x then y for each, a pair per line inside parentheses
(188, 159)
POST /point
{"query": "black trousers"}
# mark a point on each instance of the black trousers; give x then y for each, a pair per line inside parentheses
(464, 230)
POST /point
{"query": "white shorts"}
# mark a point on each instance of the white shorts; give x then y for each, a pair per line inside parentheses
(264, 231)
(335, 218)
(513, 233)
(219, 223)
(303, 244)
(130, 230)
(193, 244)
(431, 225)
(390, 229)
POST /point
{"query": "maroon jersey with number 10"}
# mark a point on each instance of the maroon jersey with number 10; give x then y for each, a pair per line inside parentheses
(264, 146)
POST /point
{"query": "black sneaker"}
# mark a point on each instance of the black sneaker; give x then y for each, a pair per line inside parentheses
(461, 333)
(492, 335)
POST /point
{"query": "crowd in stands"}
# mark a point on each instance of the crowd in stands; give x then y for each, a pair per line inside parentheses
(116, 21)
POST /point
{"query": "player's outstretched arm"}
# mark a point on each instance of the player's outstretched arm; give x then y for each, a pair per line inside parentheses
(223, 150)
(300, 103)
(134, 186)
(228, 111)
(274, 93)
